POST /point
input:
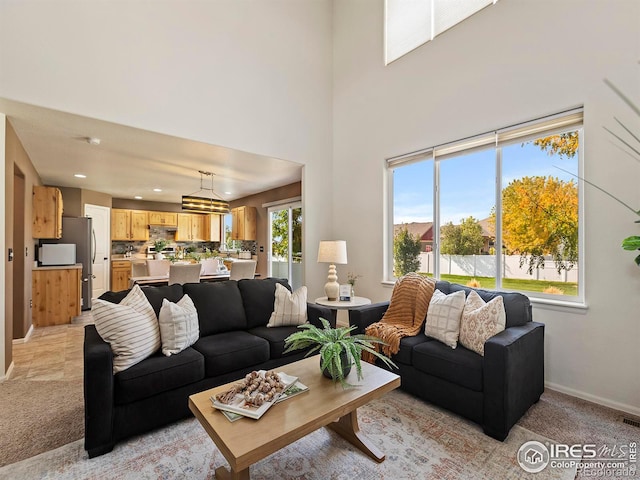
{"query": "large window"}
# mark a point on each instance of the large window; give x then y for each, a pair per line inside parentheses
(499, 211)
(411, 23)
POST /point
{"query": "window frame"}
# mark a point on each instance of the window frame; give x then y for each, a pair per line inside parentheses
(570, 120)
(414, 36)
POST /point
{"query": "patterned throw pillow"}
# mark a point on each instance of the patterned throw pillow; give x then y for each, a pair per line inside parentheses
(178, 325)
(130, 327)
(289, 309)
(443, 317)
(481, 321)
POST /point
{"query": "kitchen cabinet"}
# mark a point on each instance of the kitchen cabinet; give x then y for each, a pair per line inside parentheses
(129, 225)
(214, 223)
(192, 227)
(47, 212)
(168, 219)
(243, 223)
(120, 275)
(56, 295)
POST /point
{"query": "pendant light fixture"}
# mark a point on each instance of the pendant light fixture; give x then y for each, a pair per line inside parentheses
(210, 204)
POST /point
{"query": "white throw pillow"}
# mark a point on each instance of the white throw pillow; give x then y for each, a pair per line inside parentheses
(481, 321)
(178, 325)
(443, 317)
(130, 327)
(289, 309)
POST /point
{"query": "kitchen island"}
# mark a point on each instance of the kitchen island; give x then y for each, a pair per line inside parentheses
(56, 294)
(164, 279)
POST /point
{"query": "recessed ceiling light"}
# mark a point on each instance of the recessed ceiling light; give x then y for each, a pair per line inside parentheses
(80, 175)
(138, 197)
(227, 193)
(93, 141)
(157, 189)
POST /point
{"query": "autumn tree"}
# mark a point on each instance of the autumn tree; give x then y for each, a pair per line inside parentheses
(563, 144)
(406, 252)
(463, 239)
(540, 217)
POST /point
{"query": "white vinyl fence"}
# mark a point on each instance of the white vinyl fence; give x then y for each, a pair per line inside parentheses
(280, 269)
(485, 266)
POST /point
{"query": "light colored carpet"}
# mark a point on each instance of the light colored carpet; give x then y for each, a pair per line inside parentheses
(420, 441)
(54, 417)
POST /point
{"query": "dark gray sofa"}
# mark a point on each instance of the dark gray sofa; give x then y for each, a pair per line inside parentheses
(234, 340)
(494, 390)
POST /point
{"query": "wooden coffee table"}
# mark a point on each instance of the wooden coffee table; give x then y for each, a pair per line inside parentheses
(247, 441)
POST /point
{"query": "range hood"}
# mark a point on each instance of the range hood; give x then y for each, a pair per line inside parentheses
(168, 228)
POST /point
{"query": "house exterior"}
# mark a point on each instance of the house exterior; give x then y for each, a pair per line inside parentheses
(424, 231)
(421, 230)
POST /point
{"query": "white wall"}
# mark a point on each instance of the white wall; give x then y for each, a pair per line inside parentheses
(247, 74)
(514, 61)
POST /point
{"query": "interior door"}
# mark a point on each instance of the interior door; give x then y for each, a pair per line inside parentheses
(101, 247)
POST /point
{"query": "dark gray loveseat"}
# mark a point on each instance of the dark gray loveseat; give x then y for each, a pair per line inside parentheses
(494, 390)
(234, 340)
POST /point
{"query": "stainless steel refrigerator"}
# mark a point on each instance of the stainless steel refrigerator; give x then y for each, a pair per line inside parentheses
(79, 230)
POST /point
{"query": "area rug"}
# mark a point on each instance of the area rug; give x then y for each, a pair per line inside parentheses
(420, 441)
(55, 417)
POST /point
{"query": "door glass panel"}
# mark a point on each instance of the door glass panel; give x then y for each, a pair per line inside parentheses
(296, 247)
(286, 245)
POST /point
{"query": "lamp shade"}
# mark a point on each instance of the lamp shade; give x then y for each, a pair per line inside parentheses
(332, 251)
(191, 203)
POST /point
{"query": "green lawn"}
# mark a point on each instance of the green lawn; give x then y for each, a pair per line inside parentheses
(569, 288)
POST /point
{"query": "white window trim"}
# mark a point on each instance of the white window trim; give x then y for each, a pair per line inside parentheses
(568, 120)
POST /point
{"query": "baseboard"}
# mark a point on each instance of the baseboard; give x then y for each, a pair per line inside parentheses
(623, 407)
(7, 374)
(26, 337)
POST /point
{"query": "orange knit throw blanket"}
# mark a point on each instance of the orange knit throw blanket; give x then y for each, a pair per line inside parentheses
(405, 315)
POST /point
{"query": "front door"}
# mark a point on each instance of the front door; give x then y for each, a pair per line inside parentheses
(101, 238)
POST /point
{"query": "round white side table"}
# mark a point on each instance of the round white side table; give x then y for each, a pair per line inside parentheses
(336, 305)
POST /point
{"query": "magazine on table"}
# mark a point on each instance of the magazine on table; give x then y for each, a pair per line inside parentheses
(238, 405)
(296, 389)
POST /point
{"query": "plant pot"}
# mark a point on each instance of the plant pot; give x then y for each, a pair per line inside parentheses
(159, 256)
(346, 366)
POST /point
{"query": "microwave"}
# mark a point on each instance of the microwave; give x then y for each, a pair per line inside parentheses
(57, 254)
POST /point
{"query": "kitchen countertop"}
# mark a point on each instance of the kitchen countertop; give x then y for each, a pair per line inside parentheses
(135, 258)
(118, 257)
(58, 267)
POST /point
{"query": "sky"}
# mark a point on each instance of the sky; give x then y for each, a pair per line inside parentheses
(467, 183)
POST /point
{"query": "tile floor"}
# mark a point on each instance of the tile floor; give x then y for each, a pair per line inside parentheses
(55, 353)
(51, 353)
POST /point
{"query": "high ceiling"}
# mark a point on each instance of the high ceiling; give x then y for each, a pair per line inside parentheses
(131, 162)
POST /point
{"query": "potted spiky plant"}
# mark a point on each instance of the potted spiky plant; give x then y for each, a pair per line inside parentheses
(159, 246)
(338, 349)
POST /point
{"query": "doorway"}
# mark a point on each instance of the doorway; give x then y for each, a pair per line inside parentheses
(20, 317)
(285, 237)
(101, 238)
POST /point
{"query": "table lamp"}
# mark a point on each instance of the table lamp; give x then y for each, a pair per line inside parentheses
(332, 252)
